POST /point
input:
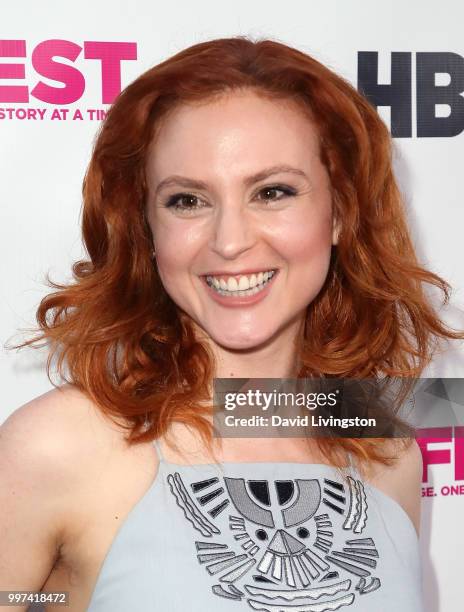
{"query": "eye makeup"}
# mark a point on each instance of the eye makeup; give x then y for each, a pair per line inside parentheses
(173, 200)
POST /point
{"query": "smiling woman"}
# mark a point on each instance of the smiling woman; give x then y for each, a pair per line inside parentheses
(258, 214)
(242, 220)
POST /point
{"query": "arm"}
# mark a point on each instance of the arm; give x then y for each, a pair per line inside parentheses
(33, 484)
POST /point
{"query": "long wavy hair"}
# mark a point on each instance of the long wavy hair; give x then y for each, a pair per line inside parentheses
(117, 335)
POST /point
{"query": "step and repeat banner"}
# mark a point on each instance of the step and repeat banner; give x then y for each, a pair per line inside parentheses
(62, 65)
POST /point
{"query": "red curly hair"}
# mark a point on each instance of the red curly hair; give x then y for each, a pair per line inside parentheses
(125, 343)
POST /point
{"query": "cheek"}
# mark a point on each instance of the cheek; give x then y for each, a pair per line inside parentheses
(312, 246)
(308, 240)
(170, 259)
(172, 270)
(307, 250)
(172, 266)
(176, 245)
(176, 249)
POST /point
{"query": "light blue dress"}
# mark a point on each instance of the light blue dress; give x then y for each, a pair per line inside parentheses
(274, 537)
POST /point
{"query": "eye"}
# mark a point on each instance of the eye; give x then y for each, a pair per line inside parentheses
(187, 202)
(272, 190)
(184, 202)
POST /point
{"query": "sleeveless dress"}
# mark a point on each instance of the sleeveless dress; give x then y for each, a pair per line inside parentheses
(274, 537)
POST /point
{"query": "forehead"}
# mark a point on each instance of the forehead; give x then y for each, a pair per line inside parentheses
(236, 129)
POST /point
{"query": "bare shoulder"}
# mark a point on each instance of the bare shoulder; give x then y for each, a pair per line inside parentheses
(52, 445)
(57, 425)
(407, 456)
(48, 449)
(402, 480)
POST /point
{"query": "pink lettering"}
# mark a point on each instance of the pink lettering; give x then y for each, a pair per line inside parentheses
(43, 63)
(70, 80)
(110, 54)
(459, 453)
(13, 93)
(23, 113)
(431, 456)
(452, 490)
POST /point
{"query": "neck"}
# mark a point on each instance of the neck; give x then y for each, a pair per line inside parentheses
(276, 358)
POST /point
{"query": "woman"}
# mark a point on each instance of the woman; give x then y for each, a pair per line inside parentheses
(241, 220)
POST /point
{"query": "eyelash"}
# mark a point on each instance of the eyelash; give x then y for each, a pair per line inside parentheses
(172, 201)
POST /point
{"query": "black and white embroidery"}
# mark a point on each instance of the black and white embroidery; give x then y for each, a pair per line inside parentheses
(284, 558)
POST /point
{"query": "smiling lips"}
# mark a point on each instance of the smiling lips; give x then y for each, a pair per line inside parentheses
(246, 290)
(230, 284)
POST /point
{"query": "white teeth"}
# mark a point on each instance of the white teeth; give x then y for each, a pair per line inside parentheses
(245, 285)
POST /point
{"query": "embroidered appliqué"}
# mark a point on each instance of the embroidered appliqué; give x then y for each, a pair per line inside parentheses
(283, 558)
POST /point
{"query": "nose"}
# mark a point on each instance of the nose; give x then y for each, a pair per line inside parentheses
(234, 232)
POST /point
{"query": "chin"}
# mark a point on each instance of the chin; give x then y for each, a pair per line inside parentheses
(241, 341)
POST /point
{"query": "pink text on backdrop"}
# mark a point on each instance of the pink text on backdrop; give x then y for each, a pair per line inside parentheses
(449, 441)
(45, 62)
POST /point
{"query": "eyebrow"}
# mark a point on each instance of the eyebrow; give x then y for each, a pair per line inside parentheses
(184, 181)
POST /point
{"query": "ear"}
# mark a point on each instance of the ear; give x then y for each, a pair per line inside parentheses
(336, 229)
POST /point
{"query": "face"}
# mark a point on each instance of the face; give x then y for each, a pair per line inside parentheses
(240, 210)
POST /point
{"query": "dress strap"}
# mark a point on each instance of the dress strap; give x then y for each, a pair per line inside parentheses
(352, 465)
(159, 452)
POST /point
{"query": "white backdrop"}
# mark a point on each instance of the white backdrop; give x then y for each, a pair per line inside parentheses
(42, 162)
